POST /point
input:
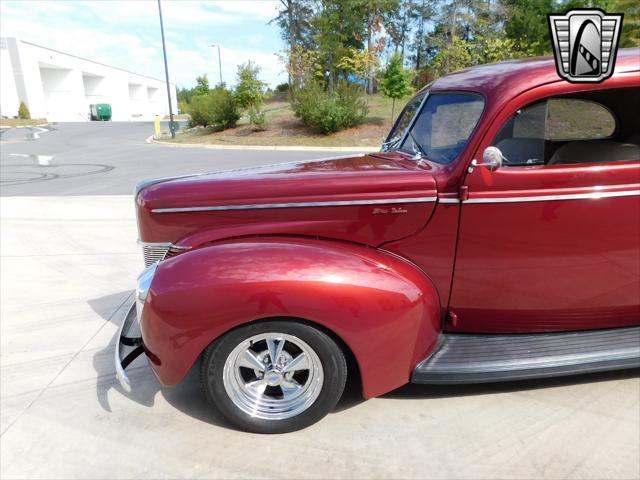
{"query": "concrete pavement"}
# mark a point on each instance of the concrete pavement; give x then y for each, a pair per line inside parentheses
(68, 264)
(109, 158)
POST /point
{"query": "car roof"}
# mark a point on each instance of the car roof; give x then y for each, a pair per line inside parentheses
(512, 77)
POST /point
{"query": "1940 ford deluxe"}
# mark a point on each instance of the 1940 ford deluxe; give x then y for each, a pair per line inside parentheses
(495, 237)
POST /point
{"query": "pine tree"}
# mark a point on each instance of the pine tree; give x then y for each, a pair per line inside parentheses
(395, 81)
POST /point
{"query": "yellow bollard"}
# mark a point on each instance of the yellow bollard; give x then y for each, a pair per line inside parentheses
(156, 126)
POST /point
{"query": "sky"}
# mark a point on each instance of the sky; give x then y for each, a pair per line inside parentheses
(126, 34)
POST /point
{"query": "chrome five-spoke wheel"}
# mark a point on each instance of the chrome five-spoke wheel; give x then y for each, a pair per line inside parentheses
(275, 376)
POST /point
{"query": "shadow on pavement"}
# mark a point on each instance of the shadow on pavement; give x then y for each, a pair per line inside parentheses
(188, 397)
(417, 391)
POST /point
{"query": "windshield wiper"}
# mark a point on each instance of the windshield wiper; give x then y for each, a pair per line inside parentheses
(420, 152)
(389, 144)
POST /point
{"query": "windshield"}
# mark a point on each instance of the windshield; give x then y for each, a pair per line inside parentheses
(443, 126)
(404, 120)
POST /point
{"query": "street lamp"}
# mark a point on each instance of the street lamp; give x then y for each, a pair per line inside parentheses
(166, 74)
(219, 61)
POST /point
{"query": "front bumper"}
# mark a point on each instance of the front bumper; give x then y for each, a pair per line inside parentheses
(129, 347)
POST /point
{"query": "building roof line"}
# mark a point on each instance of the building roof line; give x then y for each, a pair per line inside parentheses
(89, 60)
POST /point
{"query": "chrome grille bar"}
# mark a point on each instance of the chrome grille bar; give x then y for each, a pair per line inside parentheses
(154, 252)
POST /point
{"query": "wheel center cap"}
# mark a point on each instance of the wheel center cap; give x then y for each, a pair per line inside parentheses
(273, 378)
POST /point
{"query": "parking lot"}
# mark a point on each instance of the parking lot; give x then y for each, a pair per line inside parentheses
(69, 260)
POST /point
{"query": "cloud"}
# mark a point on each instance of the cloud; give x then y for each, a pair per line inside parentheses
(174, 13)
(264, 10)
(126, 34)
(180, 60)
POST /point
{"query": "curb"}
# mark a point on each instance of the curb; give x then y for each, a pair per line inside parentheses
(25, 126)
(302, 148)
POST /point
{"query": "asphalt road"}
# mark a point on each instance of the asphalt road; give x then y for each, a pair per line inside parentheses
(108, 159)
(68, 263)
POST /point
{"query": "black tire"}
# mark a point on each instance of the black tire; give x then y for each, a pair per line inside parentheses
(331, 357)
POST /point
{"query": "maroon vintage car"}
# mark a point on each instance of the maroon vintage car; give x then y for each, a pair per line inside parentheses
(495, 237)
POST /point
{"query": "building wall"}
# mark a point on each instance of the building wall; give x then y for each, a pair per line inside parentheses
(60, 87)
(9, 99)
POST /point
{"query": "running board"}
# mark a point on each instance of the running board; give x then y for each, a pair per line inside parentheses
(473, 358)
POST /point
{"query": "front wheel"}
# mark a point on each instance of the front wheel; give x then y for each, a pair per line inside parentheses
(274, 377)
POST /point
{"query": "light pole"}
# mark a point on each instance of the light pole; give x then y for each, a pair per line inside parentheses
(166, 73)
(219, 61)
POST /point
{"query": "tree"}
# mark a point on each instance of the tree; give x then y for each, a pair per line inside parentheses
(186, 94)
(303, 66)
(395, 81)
(23, 112)
(399, 21)
(328, 32)
(630, 35)
(338, 26)
(360, 63)
(527, 26)
(202, 85)
(251, 92)
(425, 11)
(452, 57)
(293, 20)
(374, 13)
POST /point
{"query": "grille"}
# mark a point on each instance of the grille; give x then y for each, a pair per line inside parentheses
(154, 252)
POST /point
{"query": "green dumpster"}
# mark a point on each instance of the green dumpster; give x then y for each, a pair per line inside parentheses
(100, 111)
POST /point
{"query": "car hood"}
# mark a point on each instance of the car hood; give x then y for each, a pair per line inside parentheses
(366, 198)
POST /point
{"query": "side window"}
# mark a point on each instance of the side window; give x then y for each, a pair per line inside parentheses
(573, 119)
(521, 140)
(566, 130)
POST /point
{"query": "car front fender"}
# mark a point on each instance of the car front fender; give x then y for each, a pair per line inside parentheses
(383, 308)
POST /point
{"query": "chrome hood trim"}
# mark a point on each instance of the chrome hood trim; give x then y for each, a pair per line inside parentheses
(340, 203)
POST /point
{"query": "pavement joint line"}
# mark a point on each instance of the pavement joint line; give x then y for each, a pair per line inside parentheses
(75, 355)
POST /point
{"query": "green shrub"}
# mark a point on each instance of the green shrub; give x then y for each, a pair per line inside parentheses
(282, 87)
(23, 112)
(258, 119)
(199, 111)
(330, 112)
(216, 108)
(225, 108)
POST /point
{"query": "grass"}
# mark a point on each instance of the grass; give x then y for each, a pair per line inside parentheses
(284, 129)
(17, 122)
(178, 116)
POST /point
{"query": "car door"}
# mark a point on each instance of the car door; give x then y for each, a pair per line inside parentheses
(550, 241)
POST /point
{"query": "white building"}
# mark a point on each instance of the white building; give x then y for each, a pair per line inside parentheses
(60, 87)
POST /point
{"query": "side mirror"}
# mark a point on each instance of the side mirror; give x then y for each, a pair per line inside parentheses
(492, 159)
